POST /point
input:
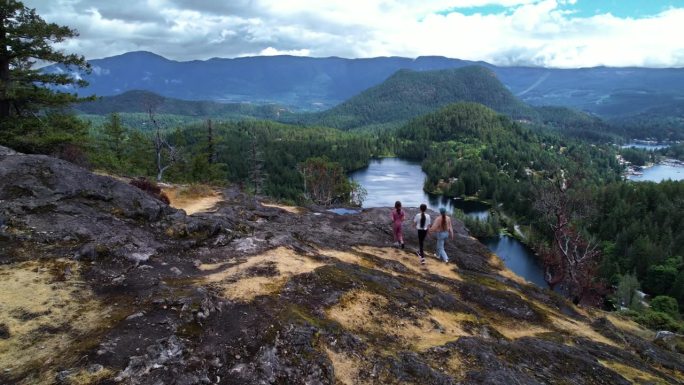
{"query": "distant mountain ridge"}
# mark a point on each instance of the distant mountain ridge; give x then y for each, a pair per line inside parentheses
(403, 96)
(138, 101)
(320, 83)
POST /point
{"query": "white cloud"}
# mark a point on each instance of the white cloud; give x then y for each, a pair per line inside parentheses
(270, 51)
(532, 32)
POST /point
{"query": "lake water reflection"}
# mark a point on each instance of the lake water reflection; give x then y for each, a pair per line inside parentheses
(389, 180)
(659, 173)
(648, 146)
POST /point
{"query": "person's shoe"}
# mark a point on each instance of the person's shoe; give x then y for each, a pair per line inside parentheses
(422, 260)
(446, 261)
(402, 245)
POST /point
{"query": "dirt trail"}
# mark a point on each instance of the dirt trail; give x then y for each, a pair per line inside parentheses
(192, 205)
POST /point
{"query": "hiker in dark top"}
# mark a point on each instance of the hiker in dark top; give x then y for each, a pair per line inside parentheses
(422, 222)
(397, 218)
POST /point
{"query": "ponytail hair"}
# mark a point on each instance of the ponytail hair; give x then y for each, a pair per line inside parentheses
(397, 205)
(444, 222)
(423, 207)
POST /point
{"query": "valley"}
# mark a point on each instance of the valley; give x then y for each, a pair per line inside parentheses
(508, 156)
(219, 213)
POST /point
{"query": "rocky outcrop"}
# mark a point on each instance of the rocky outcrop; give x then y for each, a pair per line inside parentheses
(132, 291)
(51, 202)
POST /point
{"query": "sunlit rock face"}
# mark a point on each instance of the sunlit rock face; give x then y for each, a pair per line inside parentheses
(101, 283)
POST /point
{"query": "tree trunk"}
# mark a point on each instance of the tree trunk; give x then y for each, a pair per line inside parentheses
(4, 88)
(210, 143)
(4, 71)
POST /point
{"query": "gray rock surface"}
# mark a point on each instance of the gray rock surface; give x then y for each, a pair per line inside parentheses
(169, 319)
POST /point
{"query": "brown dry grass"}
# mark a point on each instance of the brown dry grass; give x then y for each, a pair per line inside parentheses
(366, 313)
(629, 326)
(195, 190)
(289, 209)
(346, 368)
(580, 329)
(348, 257)
(211, 266)
(503, 271)
(84, 377)
(514, 329)
(634, 375)
(48, 318)
(456, 366)
(236, 283)
(412, 261)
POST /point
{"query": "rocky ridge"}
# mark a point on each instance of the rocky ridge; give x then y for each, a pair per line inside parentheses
(103, 284)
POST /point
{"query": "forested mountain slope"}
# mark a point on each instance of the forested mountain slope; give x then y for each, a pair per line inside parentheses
(138, 101)
(408, 94)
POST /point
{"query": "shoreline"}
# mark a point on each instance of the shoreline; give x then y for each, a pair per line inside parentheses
(631, 170)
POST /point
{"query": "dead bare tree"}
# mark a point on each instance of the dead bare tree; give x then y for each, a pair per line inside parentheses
(210, 143)
(257, 174)
(324, 181)
(572, 257)
(165, 154)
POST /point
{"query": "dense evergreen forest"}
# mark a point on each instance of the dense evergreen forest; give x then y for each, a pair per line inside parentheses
(675, 151)
(641, 230)
(263, 156)
(133, 102)
(467, 149)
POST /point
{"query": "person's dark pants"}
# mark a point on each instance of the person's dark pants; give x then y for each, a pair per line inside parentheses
(421, 241)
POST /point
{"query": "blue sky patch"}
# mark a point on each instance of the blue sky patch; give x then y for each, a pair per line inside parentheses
(621, 8)
(483, 10)
(584, 8)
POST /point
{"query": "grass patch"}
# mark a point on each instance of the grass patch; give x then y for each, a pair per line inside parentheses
(634, 375)
(194, 190)
(49, 318)
(368, 314)
(346, 368)
(238, 282)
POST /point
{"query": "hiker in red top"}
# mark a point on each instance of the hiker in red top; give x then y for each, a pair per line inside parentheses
(397, 219)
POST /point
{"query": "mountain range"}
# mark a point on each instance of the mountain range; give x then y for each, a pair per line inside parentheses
(403, 96)
(320, 83)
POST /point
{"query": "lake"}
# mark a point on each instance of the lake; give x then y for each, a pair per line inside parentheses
(391, 179)
(659, 173)
(648, 146)
(517, 257)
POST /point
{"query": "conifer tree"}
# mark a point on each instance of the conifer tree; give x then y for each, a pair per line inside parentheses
(26, 92)
(25, 38)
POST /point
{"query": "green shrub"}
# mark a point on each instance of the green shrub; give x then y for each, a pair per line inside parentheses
(657, 320)
(667, 305)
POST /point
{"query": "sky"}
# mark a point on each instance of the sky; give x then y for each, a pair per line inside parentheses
(549, 33)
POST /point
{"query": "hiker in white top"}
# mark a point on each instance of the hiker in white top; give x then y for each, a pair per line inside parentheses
(422, 221)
